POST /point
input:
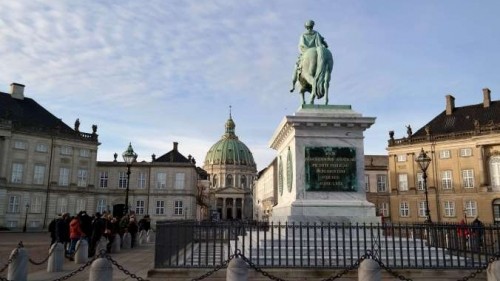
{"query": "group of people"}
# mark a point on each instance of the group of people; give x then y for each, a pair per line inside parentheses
(472, 234)
(68, 230)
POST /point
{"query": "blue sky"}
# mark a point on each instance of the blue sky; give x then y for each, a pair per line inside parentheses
(155, 72)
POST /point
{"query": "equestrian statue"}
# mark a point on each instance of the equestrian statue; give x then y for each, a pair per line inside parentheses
(314, 65)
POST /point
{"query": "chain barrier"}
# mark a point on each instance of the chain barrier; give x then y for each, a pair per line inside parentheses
(482, 268)
(78, 270)
(103, 254)
(217, 268)
(20, 245)
(44, 260)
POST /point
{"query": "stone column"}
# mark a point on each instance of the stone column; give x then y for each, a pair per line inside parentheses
(56, 259)
(18, 269)
(115, 246)
(82, 252)
(369, 270)
(101, 270)
(224, 212)
(493, 271)
(127, 241)
(237, 270)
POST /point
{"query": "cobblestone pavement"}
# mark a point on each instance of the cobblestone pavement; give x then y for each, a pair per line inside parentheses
(137, 260)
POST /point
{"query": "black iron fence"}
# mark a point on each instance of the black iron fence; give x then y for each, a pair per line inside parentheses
(305, 245)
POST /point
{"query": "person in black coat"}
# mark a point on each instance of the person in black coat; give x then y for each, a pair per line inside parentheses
(98, 227)
(62, 230)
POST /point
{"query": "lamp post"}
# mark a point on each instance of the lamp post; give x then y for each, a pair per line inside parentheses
(26, 217)
(423, 161)
(129, 156)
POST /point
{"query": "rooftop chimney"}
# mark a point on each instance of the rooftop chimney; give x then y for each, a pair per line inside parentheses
(175, 145)
(17, 91)
(450, 104)
(486, 97)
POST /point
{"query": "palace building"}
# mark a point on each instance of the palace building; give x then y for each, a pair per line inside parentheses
(463, 176)
(48, 168)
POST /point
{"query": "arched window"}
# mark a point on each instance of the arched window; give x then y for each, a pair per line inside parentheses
(496, 211)
(229, 180)
(243, 182)
(495, 171)
(214, 181)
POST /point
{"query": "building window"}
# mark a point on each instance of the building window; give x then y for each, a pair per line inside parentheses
(34, 224)
(243, 182)
(36, 204)
(446, 179)
(401, 158)
(139, 207)
(62, 205)
(404, 209)
(420, 181)
(444, 154)
(465, 152)
(17, 173)
(179, 180)
(122, 180)
(161, 180)
(160, 207)
(41, 147)
(468, 178)
(178, 210)
(470, 208)
(82, 177)
(12, 224)
(421, 208)
(403, 182)
(229, 180)
(103, 179)
(20, 145)
(367, 183)
(381, 183)
(81, 205)
(449, 208)
(495, 171)
(101, 205)
(84, 152)
(141, 180)
(66, 150)
(383, 209)
(38, 174)
(13, 204)
(63, 176)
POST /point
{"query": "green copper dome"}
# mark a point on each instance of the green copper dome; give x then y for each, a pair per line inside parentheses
(229, 150)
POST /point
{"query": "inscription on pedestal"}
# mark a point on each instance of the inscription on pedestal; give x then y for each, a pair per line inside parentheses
(330, 169)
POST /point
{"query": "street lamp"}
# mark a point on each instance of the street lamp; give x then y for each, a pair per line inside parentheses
(129, 156)
(423, 161)
(26, 217)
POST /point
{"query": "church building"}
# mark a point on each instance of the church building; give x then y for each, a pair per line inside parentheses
(232, 171)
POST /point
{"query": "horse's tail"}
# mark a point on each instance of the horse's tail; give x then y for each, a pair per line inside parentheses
(323, 69)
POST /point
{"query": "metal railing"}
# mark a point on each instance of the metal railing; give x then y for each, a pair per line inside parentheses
(306, 245)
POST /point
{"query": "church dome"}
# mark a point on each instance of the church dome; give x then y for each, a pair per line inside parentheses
(229, 149)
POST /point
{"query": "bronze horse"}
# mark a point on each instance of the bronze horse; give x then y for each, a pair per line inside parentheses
(315, 73)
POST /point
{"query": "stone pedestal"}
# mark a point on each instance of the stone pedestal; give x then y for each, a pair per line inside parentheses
(320, 156)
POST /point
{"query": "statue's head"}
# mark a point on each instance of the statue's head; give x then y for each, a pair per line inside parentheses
(309, 24)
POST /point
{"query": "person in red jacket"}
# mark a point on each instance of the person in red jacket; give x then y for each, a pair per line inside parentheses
(75, 233)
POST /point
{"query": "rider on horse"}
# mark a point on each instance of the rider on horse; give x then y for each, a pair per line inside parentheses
(309, 39)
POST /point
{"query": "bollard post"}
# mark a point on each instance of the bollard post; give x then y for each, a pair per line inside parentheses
(142, 237)
(127, 241)
(101, 245)
(237, 270)
(56, 258)
(101, 270)
(493, 271)
(82, 252)
(18, 268)
(150, 236)
(115, 246)
(369, 270)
